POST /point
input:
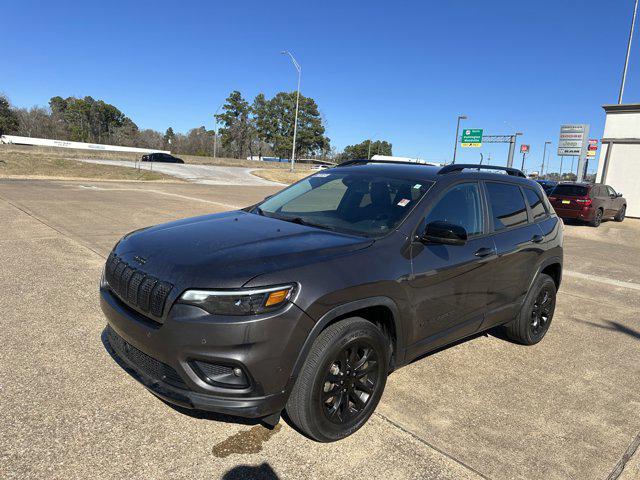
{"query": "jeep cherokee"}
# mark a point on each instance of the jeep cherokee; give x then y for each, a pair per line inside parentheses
(306, 301)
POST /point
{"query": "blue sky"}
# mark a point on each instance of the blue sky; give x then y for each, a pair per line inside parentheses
(400, 71)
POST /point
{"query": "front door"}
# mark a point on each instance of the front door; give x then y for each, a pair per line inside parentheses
(448, 286)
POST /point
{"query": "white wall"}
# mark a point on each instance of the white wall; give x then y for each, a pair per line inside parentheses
(43, 142)
(622, 125)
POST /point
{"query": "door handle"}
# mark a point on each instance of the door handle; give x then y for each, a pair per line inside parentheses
(485, 252)
(537, 238)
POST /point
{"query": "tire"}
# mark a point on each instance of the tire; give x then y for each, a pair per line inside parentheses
(537, 312)
(318, 406)
(621, 213)
(597, 218)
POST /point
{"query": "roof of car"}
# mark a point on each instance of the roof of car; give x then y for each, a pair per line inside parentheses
(431, 172)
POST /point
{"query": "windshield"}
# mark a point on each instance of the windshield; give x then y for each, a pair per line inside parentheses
(347, 202)
(571, 190)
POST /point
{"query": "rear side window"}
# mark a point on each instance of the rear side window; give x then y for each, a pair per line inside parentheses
(571, 190)
(461, 206)
(507, 205)
(536, 205)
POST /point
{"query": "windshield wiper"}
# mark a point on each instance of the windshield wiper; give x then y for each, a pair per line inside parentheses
(302, 221)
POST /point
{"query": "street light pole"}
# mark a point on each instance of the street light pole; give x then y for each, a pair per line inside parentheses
(215, 131)
(626, 61)
(544, 154)
(295, 121)
(455, 145)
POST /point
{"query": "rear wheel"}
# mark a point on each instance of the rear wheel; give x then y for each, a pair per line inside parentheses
(621, 213)
(597, 218)
(535, 317)
(341, 381)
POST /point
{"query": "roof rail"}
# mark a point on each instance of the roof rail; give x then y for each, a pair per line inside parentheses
(458, 167)
(362, 160)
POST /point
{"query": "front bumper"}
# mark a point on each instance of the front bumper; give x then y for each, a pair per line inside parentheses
(161, 356)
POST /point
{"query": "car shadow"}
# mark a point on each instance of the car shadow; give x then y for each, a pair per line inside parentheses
(250, 472)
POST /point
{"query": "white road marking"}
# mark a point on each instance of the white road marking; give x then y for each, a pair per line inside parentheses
(597, 278)
(159, 192)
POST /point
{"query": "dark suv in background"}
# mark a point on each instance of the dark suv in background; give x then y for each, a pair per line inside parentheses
(309, 299)
(588, 202)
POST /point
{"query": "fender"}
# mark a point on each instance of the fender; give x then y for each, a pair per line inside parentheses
(544, 264)
(340, 310)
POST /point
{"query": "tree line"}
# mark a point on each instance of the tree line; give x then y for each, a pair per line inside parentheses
(263, 127)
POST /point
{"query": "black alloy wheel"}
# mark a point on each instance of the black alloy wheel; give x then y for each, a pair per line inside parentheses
(541, 313)
(597, 219)
(349, 382)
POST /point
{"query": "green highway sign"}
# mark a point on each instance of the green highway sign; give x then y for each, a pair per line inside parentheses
(471, 137)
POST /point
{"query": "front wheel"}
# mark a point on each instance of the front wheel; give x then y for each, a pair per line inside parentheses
(341, 381)
(535, 317)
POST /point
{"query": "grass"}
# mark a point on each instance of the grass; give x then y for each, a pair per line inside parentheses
(282, 176)
(46, 165)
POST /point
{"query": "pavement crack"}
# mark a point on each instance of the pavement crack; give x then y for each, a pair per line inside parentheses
(433, 447)
(58, 231)
(631, 450)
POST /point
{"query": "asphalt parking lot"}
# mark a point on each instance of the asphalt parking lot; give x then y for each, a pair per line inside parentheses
(568, 407)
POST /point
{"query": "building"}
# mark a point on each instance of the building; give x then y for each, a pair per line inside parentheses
(619, 164)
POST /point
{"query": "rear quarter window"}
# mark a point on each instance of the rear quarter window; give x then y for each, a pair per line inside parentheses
(536, 204)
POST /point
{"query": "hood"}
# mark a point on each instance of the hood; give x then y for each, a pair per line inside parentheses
(227, 250)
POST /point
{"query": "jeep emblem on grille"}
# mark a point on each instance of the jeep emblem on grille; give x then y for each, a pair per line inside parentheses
(140, 260)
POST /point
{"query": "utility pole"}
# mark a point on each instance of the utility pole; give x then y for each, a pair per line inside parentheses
(626, 61)
(295, 121)
(512, 148)
(455, 145)
(561, 160)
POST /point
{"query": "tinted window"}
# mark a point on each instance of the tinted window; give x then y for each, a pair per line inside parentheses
(595, 192)
(461, 206)
(611, 190)
(346, 201)
(507, 205)
(571, 190)
(536, 205)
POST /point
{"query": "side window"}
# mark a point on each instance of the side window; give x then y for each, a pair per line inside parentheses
(461, 205)
(595, 192)
(536, 205)
(507, 205)
(610, 190)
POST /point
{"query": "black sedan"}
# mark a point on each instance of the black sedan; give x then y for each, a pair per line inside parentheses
(161, 157)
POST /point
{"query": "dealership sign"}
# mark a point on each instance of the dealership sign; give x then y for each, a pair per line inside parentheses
(592, 148)
(573, 139)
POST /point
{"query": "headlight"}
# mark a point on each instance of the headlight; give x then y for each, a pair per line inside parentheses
(239, 302)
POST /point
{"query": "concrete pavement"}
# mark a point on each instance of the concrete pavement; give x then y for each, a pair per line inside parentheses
(485, 408)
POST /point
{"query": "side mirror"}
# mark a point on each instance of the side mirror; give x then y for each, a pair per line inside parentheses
(618, 195)
(445, 233)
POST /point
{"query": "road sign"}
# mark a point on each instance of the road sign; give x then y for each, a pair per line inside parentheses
(471, 137)
(524, 148)
(573, 139)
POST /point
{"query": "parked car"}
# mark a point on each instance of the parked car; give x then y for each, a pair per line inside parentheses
(161, 157)
(588, 202)
(307, 300)
(319, 167)
(547, 185)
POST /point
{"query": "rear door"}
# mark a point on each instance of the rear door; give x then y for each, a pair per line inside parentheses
(516, 237)
(614, 203)
(448, 285)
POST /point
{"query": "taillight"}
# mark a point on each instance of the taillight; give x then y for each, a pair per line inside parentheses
(584, 201)
(553, 199)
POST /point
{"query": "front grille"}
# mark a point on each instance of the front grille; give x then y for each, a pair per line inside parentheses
(142, 362)
(136, 288)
